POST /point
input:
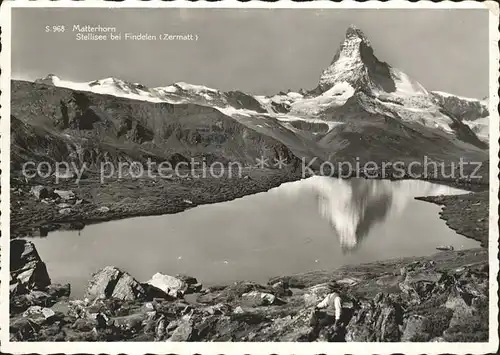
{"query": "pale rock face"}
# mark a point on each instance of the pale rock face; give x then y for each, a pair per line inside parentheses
(347, 64)
(175, 286)
(168, 284)
(111, 282)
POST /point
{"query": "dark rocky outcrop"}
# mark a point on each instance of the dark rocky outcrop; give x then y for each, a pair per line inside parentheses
(376, 320)
(27, 270)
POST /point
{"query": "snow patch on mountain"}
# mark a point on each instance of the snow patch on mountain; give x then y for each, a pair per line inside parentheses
(406, 86)
(430, 116)
(107, 86)
(166, 89)
(472, 112)
(446, 94)
(333, 97)
(481, 127)
(195, 88)
(231, 111)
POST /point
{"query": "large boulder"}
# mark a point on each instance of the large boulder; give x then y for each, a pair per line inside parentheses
(376, 320)
(256, 298)
(174, 286)
(111, 282)
(27, 270)
(419, 284)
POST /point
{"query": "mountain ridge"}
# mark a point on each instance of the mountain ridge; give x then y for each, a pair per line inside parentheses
(361, 108)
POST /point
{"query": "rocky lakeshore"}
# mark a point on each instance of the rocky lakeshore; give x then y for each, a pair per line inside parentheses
(39, 206)
(443, 297)
(466, 214)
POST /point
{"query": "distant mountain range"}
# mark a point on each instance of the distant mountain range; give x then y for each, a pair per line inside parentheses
(362, 108)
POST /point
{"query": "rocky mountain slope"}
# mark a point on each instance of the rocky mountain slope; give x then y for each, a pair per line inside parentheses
(91, 128)
(472, 112)
(362, 108)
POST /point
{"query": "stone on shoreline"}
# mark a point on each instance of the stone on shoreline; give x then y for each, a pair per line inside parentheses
(175, 286)
(111, 282)
(26, 268)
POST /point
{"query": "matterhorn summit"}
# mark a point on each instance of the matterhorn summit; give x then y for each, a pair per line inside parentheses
(355, 63)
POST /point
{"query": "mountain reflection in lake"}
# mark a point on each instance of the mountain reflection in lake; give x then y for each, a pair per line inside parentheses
(354, 206)
(316, 223)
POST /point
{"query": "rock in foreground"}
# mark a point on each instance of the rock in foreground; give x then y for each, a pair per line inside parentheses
(444, 299)
(27, 270)
(111, 282)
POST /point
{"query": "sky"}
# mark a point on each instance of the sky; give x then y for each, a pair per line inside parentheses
(259, 51)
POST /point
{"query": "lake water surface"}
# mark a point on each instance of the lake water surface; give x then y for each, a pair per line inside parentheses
(316, 223)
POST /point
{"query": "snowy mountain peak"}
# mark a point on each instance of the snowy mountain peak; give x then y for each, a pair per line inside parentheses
(355, 63)
(354, 33)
